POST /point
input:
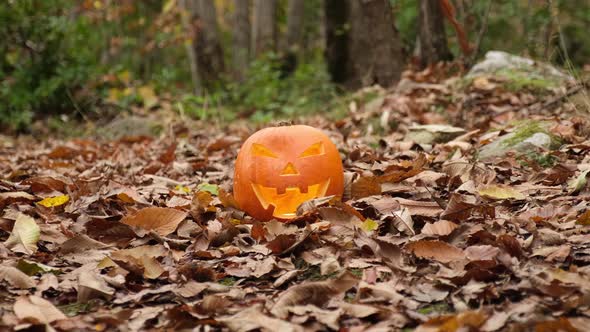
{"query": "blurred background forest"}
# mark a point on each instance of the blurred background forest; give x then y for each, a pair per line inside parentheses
(261, 59)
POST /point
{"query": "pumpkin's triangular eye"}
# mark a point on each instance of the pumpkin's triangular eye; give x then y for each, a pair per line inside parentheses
(262, 151)
(315, 149)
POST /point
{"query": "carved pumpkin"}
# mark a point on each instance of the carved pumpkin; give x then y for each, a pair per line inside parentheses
(279, 168)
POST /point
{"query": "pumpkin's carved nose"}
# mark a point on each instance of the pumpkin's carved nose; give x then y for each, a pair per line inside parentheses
(289, 170)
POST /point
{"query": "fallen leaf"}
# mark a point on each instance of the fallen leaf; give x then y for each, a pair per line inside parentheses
(436, 250)
(148, 96)
(92, 285)
(13, 197)
(577, 184)
(560, 324)
(36, 310)
(584, 219)
(369, 225)
(468, 320)
(54, 201)
(211, 188)
(481, 252)
(366, 186)
(252, 319)
(160, 220)
(316, 292)
(32, 268)
(16, 278)
(439, 228)
(500, 192)
(24, 235)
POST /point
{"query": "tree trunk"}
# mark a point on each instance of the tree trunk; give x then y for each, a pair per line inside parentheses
(190, 29)
(264, 29)
(241, 38)
(295, 14)
(433, 40)
(208, 47)
(336, 53)
(370, 51)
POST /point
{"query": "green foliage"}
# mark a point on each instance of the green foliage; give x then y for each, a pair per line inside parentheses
(60, 56)
(265, 94)
(227, 281)
(524, 130)
(520, 80)
(270, 95)
(544, 160)
(44, 58)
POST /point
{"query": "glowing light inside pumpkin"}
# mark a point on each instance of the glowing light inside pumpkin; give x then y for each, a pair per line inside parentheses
(262, 151)
(285, 204)
(316, 149)
(289, 170)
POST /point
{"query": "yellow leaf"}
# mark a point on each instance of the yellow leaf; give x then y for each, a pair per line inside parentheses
(124, 76)
(369, 225)
(168, 6)
(148, 96)
(500, 192)
(106, 262)
(55, 201)
(114, 95)
(182, 188)
(125, 198)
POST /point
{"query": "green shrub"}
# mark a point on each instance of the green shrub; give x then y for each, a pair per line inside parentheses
(265, 95)
(44, 58)
(305, 91)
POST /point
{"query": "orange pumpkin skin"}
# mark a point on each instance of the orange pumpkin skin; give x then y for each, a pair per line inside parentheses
(278, 168)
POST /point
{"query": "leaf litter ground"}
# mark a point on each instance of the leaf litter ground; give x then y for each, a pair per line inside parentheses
(142, 233)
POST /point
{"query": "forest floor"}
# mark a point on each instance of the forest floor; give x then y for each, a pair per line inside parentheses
(436, 232)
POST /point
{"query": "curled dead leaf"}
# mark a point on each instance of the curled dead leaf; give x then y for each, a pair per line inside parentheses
(37, 310)
(161, 220)
(439, 228)
(317, 293)
(435, 250)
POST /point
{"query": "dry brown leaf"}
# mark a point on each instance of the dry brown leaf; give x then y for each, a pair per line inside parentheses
(252, 319)
(439, 228)
(92, 285)
(158, 219)
(454, 323)
(365, 186)
(317, 293)
(481, 252)
(24, 235)
(436, 250)
(561, 324)
(13, 197)
(36, 310)
(80, 243)
(420, 208)
(15, 278)
(461, 207)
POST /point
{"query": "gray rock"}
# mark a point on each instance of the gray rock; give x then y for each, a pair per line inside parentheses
(429, 134)
(537, 141)
(497, 61)
(129, 126)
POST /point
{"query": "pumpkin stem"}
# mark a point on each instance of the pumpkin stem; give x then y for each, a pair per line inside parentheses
(284, 123)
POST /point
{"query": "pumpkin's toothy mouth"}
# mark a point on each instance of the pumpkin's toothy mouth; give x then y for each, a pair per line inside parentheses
(286, 203)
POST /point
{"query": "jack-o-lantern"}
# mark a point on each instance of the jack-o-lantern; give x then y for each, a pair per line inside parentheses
(279, 168)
